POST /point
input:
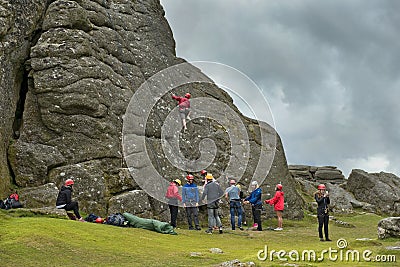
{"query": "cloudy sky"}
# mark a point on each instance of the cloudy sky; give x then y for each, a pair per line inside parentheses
(330, 70)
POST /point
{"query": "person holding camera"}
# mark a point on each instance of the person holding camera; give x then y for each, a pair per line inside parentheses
(322, 198)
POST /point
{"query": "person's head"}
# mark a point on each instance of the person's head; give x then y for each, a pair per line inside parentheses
(232, 182)
(177, 182)
(209, 177)
(254, 184)
(69, 182)
(187, 95)
(321, 188)
(203, 173)
(190, 178)
(278, 187)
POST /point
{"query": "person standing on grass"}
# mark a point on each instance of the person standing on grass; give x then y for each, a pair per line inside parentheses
(64, 200)
(232, 195)
(190, 199)
(278, 201)
(256, 205)
(173, 197)
(213, 192)
(322, 198)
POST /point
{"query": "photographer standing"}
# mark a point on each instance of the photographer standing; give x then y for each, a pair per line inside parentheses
(322, 198)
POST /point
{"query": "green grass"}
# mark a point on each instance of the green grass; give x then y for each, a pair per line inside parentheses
(31, 240)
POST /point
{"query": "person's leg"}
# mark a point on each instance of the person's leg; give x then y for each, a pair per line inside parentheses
(183, 118)
(320, 225)
(218, 220)
(196, 218)
(280, 220)
(211, 220)
(257, 215)
(174, 214)
(243, 215)
(232, 211)
(75, 208)
(326, 223)
(189, 217)
(239, 211)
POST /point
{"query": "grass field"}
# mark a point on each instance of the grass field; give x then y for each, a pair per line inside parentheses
(32, 240)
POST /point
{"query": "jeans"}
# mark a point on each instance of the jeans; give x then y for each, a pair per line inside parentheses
(236, 207)
(213, 218)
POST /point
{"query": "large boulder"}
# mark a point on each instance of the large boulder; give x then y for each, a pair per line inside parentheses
(389, 227)
(382, 190)
(66, 90)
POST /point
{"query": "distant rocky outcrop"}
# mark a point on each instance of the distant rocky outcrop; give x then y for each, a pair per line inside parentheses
(371, 192)
(324, 174)
(382, 190)
(68, 71)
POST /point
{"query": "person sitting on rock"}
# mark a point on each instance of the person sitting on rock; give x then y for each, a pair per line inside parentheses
(64, 200)
(184, 108)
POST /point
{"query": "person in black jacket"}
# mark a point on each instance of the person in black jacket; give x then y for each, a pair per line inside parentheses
(64, 200)
(322, 198)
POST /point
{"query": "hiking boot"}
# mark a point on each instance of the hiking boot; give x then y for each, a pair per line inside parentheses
(255, 225)
(220, 230)
(191, 228)
(198, 228)
(208, 231)
(241, 228)
(328, 239)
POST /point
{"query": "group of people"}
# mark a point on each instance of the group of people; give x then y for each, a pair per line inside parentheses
(212, 194)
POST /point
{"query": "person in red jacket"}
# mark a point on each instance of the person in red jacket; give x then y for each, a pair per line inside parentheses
(184, 108)
(173, 197)
(278, 202)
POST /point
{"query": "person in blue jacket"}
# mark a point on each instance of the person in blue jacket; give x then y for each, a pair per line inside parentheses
(190, 199)
(256, 204)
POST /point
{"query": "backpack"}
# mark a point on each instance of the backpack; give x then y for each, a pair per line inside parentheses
(12, 202)
(91, 217)
(116, 219)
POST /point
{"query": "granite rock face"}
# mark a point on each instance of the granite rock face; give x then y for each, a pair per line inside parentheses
(389, 227)
(382, 190)
(69, 70)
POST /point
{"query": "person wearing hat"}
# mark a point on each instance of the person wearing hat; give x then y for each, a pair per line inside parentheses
(190, 199)
(256, 205)
(322, 198)
(64, 200)
(278, 201)
(232, 194)
(184, 108)
(213, 192)
(173, 197)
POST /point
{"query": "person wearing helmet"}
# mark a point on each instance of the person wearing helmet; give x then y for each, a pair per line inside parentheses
(256, 205)
(173, 198)
(184, 108)
(278, 202)
(232, 194)
(322, 198)
(213, 192)
(190, 199)
(64, 200)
